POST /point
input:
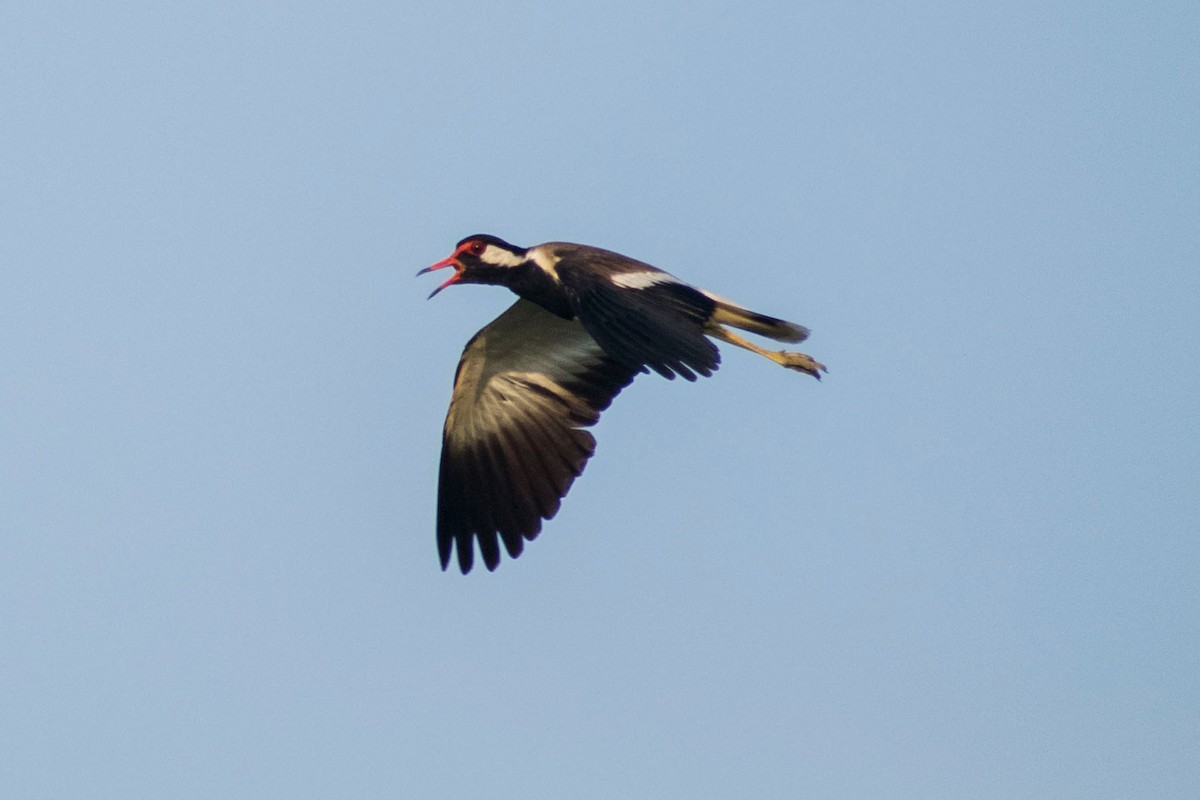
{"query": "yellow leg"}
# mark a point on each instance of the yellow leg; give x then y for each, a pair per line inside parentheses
(787, 358)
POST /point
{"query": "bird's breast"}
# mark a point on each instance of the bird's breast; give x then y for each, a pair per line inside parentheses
(537, 286)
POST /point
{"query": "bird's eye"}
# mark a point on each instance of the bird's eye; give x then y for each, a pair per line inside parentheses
(476, 248)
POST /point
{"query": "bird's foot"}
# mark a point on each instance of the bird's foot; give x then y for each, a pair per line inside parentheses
(801, 362)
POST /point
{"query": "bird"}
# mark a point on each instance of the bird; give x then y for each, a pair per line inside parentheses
(587, 321)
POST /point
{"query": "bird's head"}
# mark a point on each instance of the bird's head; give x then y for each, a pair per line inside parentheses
(479, 259)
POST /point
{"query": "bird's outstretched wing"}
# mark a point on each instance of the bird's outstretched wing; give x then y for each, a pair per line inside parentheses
(513, 443)
(640, 314)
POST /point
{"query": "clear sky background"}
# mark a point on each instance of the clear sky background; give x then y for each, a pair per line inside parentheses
(964, 565)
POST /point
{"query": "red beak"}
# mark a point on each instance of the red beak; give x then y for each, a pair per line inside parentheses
(452, 261)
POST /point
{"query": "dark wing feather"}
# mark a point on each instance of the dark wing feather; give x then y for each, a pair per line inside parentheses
(660, 324)
(526, 385)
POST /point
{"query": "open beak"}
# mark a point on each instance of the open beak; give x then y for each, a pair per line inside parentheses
(446, 262)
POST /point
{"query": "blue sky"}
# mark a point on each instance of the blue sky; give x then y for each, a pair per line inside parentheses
(964, 565)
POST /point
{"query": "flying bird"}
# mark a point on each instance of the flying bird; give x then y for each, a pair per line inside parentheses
(587, 321)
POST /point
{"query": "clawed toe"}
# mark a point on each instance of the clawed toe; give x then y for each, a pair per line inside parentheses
(802, 362)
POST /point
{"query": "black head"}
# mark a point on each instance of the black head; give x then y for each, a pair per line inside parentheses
(481, 258)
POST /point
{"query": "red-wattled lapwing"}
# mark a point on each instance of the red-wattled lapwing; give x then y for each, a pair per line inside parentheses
(587, 321)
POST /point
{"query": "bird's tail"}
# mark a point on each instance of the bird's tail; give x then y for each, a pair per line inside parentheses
(729, 313)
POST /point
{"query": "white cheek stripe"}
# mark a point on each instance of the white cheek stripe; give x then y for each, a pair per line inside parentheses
(642, 280)
(500, 257)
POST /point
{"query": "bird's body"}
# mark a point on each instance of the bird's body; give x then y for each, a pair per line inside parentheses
(588, 321)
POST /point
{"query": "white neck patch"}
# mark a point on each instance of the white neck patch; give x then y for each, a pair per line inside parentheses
(545, 260)
(642, 280)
